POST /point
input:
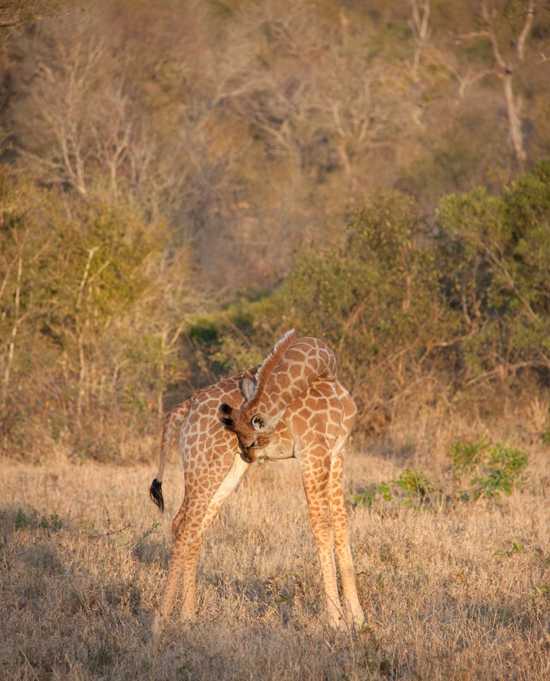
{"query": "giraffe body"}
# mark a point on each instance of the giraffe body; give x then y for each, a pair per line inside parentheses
(305, 413)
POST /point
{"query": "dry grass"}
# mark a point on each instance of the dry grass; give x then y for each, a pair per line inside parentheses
(450, 592)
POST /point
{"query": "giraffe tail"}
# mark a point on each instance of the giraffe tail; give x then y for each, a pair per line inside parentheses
(170, 429)
(155, 492)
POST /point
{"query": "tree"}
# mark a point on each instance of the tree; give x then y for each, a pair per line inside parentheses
(82, 321)
(81, 128)
(312, 90)
(495, 254)
(500, 28)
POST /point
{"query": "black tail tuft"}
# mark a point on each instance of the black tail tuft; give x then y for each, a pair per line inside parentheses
(156, 493)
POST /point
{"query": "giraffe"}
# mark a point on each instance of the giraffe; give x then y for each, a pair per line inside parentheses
(292, 406)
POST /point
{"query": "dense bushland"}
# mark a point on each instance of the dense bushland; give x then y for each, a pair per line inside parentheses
(371, 174)
(86, 323)
(446, 308)
(98, 327)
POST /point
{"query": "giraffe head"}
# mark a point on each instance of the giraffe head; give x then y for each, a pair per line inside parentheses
(255, 421)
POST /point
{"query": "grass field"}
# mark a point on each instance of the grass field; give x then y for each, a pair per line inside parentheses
(451, 591)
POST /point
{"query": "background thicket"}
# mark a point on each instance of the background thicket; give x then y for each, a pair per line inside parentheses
(181, 182)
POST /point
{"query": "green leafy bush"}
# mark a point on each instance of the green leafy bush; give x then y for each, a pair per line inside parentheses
(494, 255)
(411, 488)
(492, 468)
(83, 338)
(31, 519)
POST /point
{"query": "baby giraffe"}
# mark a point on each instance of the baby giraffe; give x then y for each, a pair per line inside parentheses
(292, 407)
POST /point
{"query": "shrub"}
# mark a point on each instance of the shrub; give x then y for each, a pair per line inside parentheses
(83, 338)
(492, 468)
(411, 488)
(494, 256)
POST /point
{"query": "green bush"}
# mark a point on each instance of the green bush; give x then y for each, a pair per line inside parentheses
(492, 469)
(494, 255)
(376, 299)
(411, 488)
(83, 338)
(467, 305)
(93, 323)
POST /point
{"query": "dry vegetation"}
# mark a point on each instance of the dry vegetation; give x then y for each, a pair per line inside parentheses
(371, 173)
(451, 590)
(376, 174)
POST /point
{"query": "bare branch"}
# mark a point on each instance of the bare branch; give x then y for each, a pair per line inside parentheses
(420, 25)
(526, 30)
(488, 17)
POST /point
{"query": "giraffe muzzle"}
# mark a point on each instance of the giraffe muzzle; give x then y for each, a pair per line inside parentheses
(248, 451)
(246, 455)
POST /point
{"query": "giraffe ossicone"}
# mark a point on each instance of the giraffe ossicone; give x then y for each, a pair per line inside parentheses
(292, 406)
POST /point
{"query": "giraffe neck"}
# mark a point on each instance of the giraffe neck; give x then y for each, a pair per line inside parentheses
(305, 362)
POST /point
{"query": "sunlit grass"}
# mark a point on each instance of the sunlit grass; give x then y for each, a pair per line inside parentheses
(457, 591)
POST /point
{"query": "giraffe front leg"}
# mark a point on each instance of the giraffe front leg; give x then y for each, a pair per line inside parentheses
(316, 480)
(342, 542)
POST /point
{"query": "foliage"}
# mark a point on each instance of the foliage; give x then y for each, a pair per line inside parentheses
(492, 468)
(375, 298)
(495, 256)
(324, 100)
(469, 306)
(30, 520)
(411, 488)
(72, 276)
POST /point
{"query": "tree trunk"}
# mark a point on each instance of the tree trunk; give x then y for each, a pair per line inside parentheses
(13, 336)
(514, 121)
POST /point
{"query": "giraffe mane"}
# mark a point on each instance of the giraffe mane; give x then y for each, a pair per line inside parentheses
(271, 361)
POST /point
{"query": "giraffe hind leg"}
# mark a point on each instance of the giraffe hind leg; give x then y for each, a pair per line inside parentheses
(189, 524)
(196, 532)
(342, 542)
(316, 479)
(170, 590)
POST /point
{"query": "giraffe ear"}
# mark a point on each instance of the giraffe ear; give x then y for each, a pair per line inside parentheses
(228, 423)
(248, 388)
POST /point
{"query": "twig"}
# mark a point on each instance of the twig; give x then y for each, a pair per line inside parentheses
(109, 533)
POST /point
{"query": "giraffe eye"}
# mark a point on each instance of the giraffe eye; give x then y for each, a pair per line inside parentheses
(257, 422)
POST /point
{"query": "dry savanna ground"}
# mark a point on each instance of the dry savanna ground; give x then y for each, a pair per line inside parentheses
(452, 590)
